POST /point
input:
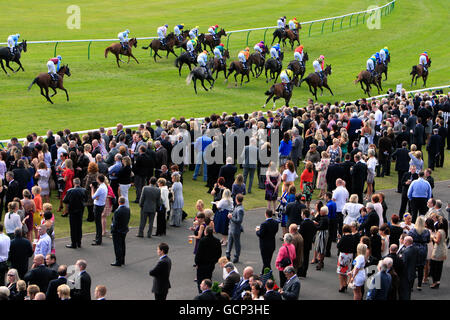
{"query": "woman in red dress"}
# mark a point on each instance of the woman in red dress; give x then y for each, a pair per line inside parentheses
(68, 174)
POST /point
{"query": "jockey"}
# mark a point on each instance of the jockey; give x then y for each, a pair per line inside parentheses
(123, 38)
(190, 47)
(275, 52)
(202, 59)
(12, 43)
(286, 76)
(243, 56)
(53, 66)
(298, 55)
(384, 54)
(213, 30)
(318, 66)
(177, 30)
(259, 47)
(424, 60)
(281, 23)
(293, 25)
(193, 33)
(371, 64)
(377, 57)
(162, 31)
(218, 52)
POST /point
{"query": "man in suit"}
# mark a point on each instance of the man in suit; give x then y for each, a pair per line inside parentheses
(21, 175)
(403, 136)
(231, 280)
(409, 257)
(271, 295)
(228, 171)
(249, 157)
(401, 157)
(444, 133)
(100, 292)
(372, 219)
(298, 244)
(143, 168)
(334, 172)
(52, 294)
(161, 155)
(209, 251)
(266, 234)
(243, 284)
(75, 198)
(297, 147)
(291, 289)
(294, 210)
(235, 229)
(286, 123)
(39, 274)
(82, 290)
(359, 176)
(119, 230)
(20, 251)
(308, 231)
(418, 135)
(12, 190)
(161, 273)
(346, 175)
(407, 179)
(385, 145)
(149, 202)
(206, 294)
(434, 148)
(381, 283)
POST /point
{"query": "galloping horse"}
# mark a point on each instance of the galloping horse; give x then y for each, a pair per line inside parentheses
(384, 68)
(289, 34)
(156, 45)
(238, 68)
(215, 65)
(117, 49)
(366, 78)
(44, 81)
(5, 54)
(197, 48)
(257, 59)
(279, 34)
(313, 80)
(199, 73)
(274, 67)
(278, 91)
(418, 71)
(213, 42)
(297, 67)
(185, 58)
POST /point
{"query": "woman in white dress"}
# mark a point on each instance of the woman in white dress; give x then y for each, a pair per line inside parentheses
(358, 274)
(371, 165)
(351, 209)
(43, 174)
(384, 233)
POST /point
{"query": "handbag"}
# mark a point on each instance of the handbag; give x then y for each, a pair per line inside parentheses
(286, 261)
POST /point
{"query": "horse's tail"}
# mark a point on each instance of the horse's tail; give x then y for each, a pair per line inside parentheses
(106, 51)
(358, 79)
(189, 78)
(145, 48)
(414, 70)
(304, 80)
(270, 91)
(34, 81)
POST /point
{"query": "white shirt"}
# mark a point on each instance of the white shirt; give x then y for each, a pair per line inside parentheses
(351, 210)
(340, 196)
(379, 210)
(360, 277)
(290, 176)
(378, 117)
(4, 247)
(372, 164)
(12, 221)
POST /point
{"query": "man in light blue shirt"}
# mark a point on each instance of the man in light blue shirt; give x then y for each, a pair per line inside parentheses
(418, 193)
(112, 174)
(44, 245)
(200, 146)
(99, 197)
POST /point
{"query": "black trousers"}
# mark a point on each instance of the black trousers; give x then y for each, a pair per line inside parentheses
(332, 234)
(432, 160)
(90, 216)
(266, 256)
(340, 222)
(115, 187)
(139, 183)
(160, 296)
(204, 272)
(3, 271)
(399, 182)
(304, 268)
(76, 231)
(119, 246)
(418, 206)
(436, 270)
(403, 204)
(283, 279)
(440, 158)
(98, 210)
(161, 223)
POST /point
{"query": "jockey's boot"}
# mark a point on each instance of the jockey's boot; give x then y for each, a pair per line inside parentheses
(222, 62)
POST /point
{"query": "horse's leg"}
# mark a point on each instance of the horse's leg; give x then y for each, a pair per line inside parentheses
(242, 78)
(203, 84)
(412, 80)
(133, 58)
(326, 86)
(179, 68)
(3, 67)
(424, 80)
(248, 77)
(225, 73)
(54, 90)
(9, 67)
(235, 79)
(276, 78)
(275, 99)
(195, 85)
(267, 80)
(117, 60)
(20, 66)
(46, 95)
(217, 73)
(64, 89)
(128, 59)
(270, 97)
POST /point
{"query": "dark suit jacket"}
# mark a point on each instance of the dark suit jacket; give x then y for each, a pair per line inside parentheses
(120, 220)
(143, 165)
(12, 191)
(228, 171)
(359, 176)
(434, 145)
(76, 199)
(408, 175)
(418, 134)
(273, 295)
(291, 289)
(52, 294)
(209, 251)
(335, 171)
(22, 176)
(294, 212)
(161, 273)
(84, 293)
(308, 231)
(403, 136)
(161, 157)
(150, 199)
(40, 276)
(401, 157)
(372, 220)
(239, 288)
(230, 282)
(20, 250)
(409, 257)
(206, 295)
(266, 234)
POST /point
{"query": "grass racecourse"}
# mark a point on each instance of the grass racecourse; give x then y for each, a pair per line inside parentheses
(101, 94)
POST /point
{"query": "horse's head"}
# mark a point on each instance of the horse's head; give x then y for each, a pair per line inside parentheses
(388, 58)
(201, 37)
(328, 69)
(226, 54)
(281, 55)
(305, 56)
(170, 36)
(429, 63)
(133, 42)
(66, 70)
(23, 46)
(221, 33)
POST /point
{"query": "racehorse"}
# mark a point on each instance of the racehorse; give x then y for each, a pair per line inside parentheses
(274, 67)
(197, 48)
(297, 67)
(279, 34)
(385, 67)
(183, 36)
(289, 34)
(418, 71)
(313, 80)
(199, 73)
(257, 59)
(213, 42)
(5, 54)
(278, 91)
(117, 49)
(44, 81)
(215, 65)
(238, 68)
(366, 78)
(156, 45)
(185, 58)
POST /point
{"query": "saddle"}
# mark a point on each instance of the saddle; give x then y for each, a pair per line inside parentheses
(125, 49)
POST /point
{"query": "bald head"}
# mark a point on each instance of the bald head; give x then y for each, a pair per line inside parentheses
(39, 259)
(293, 228)
(408, 241)
(39, 296)
(393, 248)
(248, 272)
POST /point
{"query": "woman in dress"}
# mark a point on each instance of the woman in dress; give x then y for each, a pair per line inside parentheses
(438, 256)
(395, 230)
(306, 182)
(407, 224)
(43, 174)
(358, 274)
(29, 208)
(371, 166)
(217, 192)
(384, 205)
(344, 142)
(421, 237)
(351, 209)
(12, 276)
(199, 230)
(345, 246)
(162, 214)
(321, 222)
(322, 168)
(429, 225)
(334, 151)
(289, 175)
(238, 187)
(124, 179)
(110, 199)
(416, 160)
(378, 207)
(385, 243)
(176, 215)
(272, 184)
(91, 177)
(47, 221)
(68, 174)
(37, 215)
(221, 221)
(257, 290)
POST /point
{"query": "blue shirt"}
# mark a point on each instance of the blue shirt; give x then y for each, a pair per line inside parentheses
(100, 195)
(44, 245)
(285, 148)
(419, 188)
(202, 142)
(331, 209)
(114, 169)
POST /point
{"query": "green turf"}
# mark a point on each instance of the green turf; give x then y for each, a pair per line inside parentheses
(103, 95)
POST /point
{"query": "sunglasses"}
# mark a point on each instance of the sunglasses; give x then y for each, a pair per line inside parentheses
(11, 275)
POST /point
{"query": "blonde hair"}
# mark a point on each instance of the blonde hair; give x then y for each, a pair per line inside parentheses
(200, 203)
(69, 164)
(47, 207)
(325, 155)
(36, 190)
(161, 181)
(227, 195)
(208, 213)
(419, 226)
(354, 198)
(127, 160)
(64, 291)
(361, 249)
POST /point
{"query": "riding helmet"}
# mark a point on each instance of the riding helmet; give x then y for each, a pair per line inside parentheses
(216, 26)
(221, 44)
(59, 58)
(205, 52)
(386, 48)
(18, 35)
(322, 57)
(128, 31)
(166, 25)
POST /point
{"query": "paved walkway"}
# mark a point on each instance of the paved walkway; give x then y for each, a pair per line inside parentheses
(132, 281)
